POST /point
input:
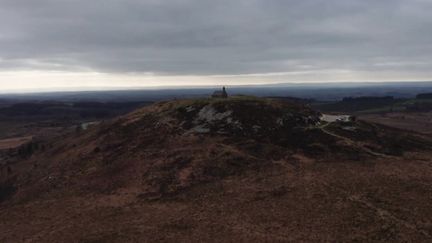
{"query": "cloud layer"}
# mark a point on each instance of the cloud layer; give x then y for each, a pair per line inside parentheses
(224, 37)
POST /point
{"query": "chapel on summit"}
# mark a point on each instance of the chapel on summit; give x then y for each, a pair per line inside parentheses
(220, 93)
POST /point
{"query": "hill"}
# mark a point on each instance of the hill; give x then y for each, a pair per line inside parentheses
(244, 167)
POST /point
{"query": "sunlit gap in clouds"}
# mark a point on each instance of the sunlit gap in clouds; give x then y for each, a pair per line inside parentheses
(37, 81)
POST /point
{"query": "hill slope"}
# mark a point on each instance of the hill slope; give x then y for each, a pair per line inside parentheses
(248, 168)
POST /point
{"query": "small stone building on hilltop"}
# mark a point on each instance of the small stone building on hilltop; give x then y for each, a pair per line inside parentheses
(220, 94)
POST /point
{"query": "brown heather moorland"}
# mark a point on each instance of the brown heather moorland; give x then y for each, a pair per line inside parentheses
(222, 170)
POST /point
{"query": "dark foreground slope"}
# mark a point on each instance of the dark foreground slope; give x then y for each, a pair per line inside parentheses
(222, 170)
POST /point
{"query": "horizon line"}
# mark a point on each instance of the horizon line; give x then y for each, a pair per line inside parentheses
(204, 86)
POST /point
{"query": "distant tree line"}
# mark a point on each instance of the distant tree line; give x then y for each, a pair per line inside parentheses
(353, 104)
(70, 110)
(366, 99)
(424, 96)
(293, 99)
(27, 150)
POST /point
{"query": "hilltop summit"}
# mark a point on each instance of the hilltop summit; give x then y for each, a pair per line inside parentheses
(169, 146)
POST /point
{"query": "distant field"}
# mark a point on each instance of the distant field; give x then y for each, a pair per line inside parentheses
(418, 122)
(14, 142)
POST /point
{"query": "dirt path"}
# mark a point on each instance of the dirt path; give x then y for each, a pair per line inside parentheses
(14, 142)
(350, 141)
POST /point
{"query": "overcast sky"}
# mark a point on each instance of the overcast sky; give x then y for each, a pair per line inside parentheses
(59, 44)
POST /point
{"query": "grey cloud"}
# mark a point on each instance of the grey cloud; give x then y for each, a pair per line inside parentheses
(203, 37)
